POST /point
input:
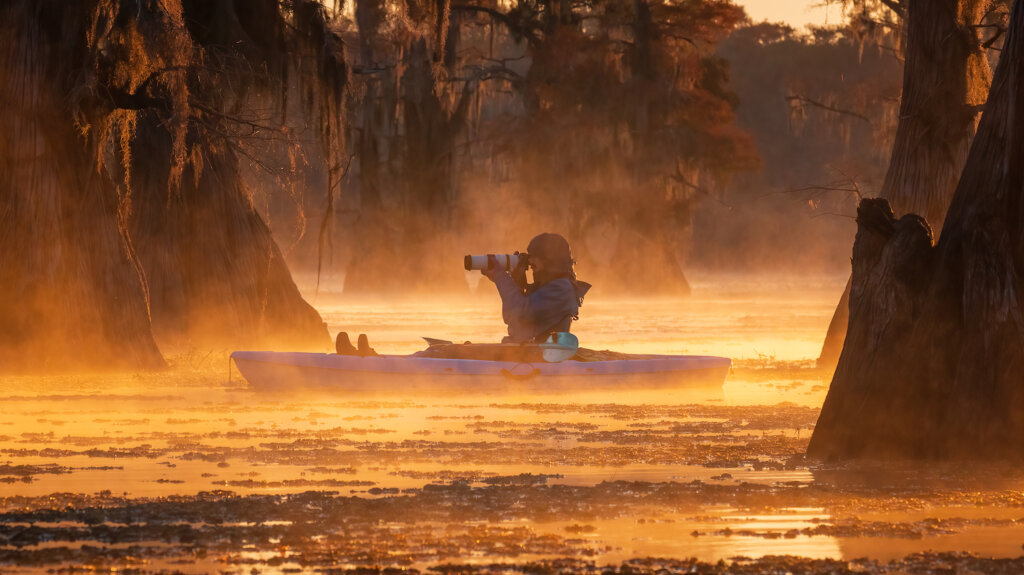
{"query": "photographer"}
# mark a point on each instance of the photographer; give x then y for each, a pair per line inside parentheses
(550, 303)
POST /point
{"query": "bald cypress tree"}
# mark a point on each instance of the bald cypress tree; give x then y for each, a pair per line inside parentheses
(945, 80)
(931, 365)
(121, 204)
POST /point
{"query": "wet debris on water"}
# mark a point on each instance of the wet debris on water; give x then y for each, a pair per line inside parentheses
(523, 489)
(854, 528)
(30, 470)
(303, 483)
(521, 479)
(333, 470)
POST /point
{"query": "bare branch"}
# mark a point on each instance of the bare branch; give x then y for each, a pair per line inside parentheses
(1000, 30)
(368, 70)
(238, 120)
(852, 181)
(824, 106)
(678, 177)
(504, 61)
(846, 185)
(485, 73)
(680, 37)
(819, 214)
(881, 23)
(514, 27)
(830, 187)
(896, 6)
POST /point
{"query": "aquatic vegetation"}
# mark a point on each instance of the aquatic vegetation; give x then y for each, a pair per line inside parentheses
(194, 473)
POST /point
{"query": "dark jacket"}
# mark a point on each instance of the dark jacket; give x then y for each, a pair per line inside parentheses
(550, 307)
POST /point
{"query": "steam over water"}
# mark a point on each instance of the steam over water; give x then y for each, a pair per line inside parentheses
(188, 470)
(783, 319)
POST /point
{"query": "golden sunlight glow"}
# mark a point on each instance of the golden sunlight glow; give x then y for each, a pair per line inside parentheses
(796, 13)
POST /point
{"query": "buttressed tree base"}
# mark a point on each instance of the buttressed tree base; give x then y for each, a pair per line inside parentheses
(932, 363)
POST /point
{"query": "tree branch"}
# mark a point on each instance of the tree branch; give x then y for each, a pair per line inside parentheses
(829, 108)
(1000, 30)
(896, 6)
(850, 183)
(678, 177)
(514, 27)
(255, 126)
(482, 74)
(136, 101)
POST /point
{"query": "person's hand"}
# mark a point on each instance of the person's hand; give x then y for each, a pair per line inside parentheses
(519, 273)
(492, 268)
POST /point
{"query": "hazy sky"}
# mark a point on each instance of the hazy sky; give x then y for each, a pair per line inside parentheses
(797, 13)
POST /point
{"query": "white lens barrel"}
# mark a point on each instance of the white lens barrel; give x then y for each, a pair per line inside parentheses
(507, 262)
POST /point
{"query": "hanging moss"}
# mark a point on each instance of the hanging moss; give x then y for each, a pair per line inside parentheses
(133, 119)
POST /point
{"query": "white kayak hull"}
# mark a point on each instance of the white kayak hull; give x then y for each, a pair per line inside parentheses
(282, 371)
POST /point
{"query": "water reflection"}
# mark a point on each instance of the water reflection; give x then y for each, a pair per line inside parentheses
(281, 480)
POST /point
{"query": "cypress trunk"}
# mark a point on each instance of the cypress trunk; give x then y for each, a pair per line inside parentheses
(215, 274)
(931, 366)
(71, 294)
(120, 174)
(945, 80)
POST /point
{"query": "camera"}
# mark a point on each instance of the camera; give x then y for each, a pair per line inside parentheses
(508, 262)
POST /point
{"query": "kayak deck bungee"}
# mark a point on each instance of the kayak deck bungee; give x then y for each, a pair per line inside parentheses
(268, 370)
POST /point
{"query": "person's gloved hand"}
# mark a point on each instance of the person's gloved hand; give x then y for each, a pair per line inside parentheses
(492, 268)
(519, 273)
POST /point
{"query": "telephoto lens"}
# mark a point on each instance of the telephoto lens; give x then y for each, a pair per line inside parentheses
(508, 262)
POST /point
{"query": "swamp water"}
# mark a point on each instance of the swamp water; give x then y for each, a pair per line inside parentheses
(189, 471)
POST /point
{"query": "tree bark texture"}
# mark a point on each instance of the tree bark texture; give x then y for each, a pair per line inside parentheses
(945, 81)
(215, 274)
(931, 365)
(71, 294)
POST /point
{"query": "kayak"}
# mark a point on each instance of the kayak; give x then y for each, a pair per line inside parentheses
(281, 371)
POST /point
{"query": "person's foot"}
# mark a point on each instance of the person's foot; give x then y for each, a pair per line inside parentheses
(364, 348)
(344, 346)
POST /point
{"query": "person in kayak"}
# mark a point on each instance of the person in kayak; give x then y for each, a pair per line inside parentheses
(551, 303)
(531, 311)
